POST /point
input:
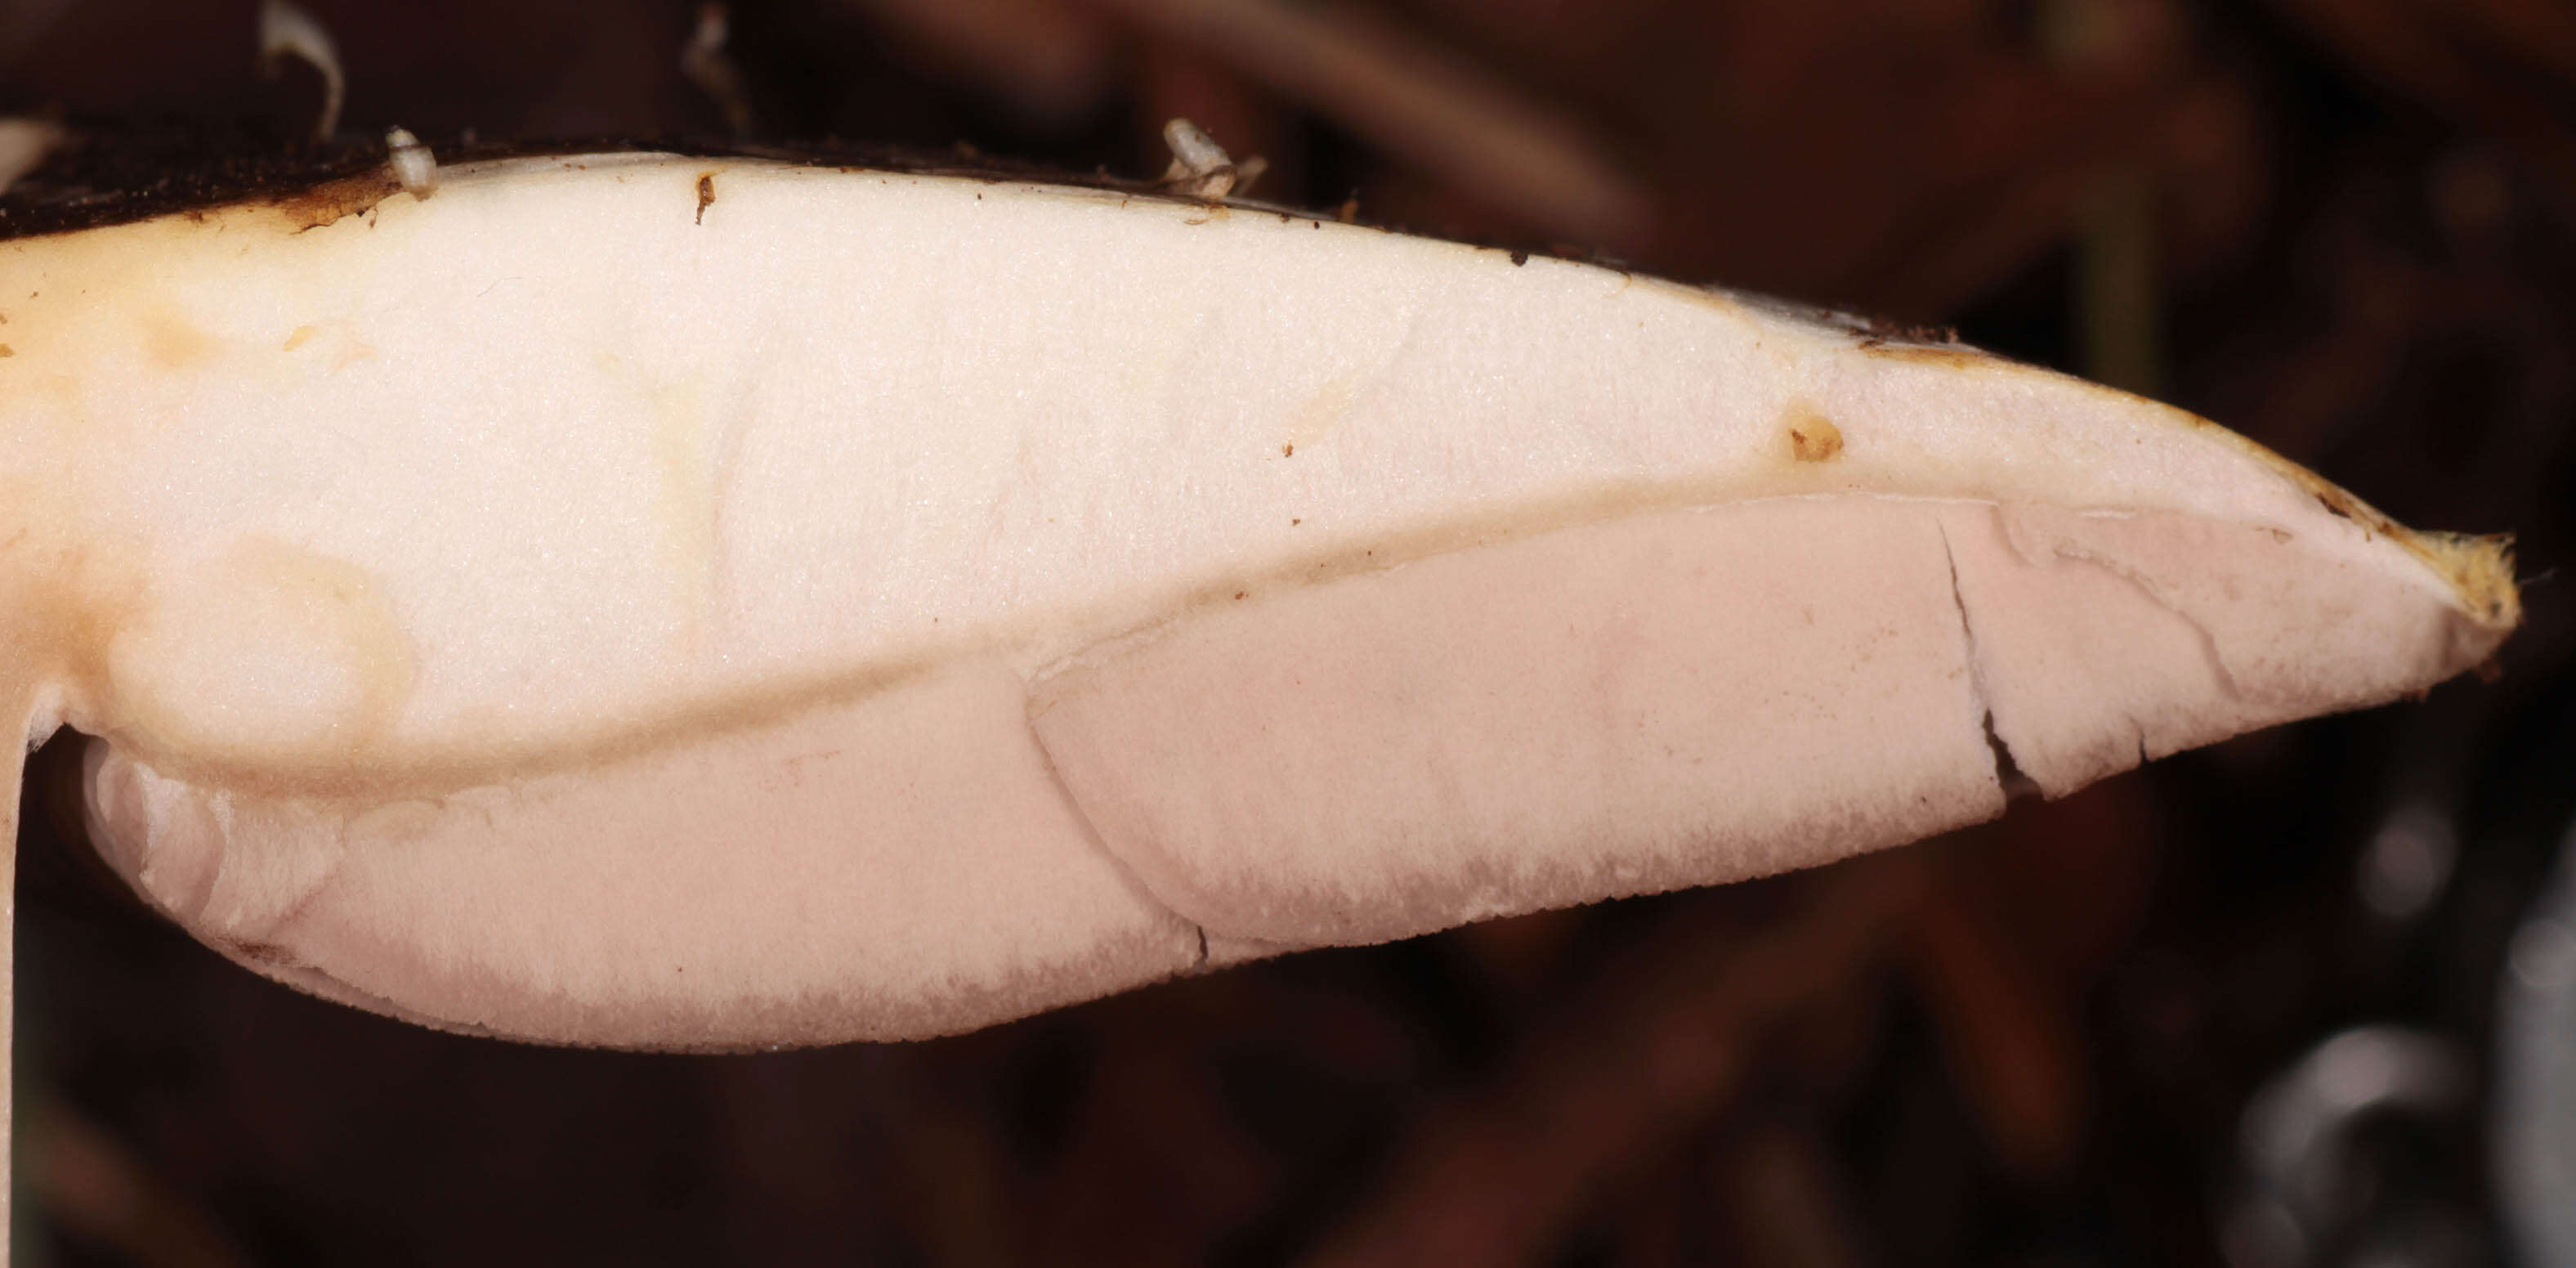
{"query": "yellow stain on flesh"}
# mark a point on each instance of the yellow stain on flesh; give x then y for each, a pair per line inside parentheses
(684, 503)
(1812, 436)
(338, 608)
(334, 340)
(305, 641)
(1322, 413)
(677, 441)
(173, 342)
(67, 591)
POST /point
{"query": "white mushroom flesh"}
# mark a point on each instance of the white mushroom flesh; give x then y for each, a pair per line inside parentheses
(662, 601)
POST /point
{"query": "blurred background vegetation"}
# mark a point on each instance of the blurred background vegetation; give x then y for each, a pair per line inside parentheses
(2103, 1031)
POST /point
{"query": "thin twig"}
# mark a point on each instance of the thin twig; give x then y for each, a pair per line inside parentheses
(1423, 104)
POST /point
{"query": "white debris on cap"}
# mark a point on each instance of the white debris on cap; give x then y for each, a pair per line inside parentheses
(286, 30)
(24, 143)
(412, 162)
(1201, 168)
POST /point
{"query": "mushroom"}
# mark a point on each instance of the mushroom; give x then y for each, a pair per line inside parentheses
(655, 600)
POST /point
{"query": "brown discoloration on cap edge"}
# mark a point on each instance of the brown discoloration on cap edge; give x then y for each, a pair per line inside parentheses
(1957, 356)
(329, 201)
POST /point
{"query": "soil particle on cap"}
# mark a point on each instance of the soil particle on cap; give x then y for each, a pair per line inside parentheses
(707, 194)
(331, 200)
(1883, 330)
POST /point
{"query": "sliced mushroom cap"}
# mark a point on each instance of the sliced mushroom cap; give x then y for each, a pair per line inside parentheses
(662, 601)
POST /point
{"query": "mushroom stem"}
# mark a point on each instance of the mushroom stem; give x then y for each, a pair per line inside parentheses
(15, 711)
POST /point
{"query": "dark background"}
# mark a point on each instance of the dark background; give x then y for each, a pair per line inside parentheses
(2341, 226)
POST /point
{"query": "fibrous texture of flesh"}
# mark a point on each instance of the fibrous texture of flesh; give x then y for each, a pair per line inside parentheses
(698, 603)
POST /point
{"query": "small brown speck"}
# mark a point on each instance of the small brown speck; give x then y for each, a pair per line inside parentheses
(1519, 258)
(1287, 451)
(706, 194)
(1240, 593)
(7, 351)
(1295, 523)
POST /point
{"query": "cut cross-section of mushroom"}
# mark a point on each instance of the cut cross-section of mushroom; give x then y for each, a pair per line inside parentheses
(703, 602)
